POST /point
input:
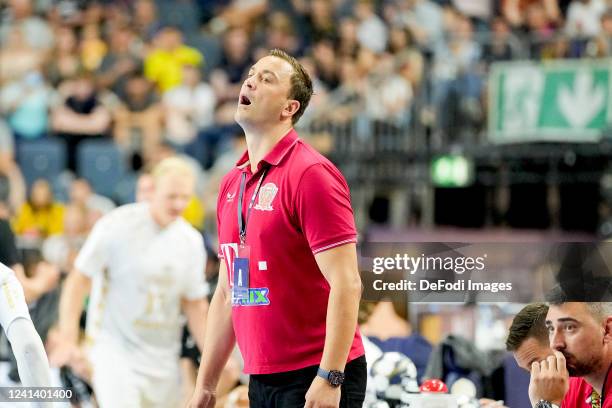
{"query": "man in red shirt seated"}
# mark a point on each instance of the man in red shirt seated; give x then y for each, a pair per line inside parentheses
(580, 334)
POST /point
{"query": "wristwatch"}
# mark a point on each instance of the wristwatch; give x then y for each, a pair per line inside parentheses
(335, 378)
(546, 404)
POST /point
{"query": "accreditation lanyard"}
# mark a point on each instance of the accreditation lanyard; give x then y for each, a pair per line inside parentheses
(242, 222)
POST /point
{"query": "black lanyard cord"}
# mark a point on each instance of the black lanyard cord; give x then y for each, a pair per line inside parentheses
(242, 223)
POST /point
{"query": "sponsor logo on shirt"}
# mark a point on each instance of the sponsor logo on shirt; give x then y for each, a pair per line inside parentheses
(256, 297)
(230, 197)
(266, 196)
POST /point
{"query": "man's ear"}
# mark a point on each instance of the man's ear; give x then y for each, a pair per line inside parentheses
(290, 108)
(607, 327)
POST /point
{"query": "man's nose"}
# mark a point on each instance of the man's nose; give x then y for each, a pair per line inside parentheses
(557, 341)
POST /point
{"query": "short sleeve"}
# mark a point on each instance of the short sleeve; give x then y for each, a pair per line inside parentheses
(323, 208)
(220, 196)
(195, 284)
(94, 255)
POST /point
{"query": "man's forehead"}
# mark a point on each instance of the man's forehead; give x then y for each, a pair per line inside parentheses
(569, 310)
(532, 349)
(274, 64)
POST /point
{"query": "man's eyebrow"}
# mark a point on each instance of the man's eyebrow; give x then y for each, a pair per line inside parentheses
(264, 71)
(567, 319)
(562, 320)
(267, 71)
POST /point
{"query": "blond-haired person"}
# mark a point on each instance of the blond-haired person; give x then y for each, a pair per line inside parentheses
(142, 265)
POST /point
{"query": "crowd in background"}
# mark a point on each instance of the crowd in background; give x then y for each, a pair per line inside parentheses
(159, 78)
(162, 77)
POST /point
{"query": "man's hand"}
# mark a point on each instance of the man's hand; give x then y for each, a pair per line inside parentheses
(203, 398)
(63, 349)
(549, 380)
(322, 395)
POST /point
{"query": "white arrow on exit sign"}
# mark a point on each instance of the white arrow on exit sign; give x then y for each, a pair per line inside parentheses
(582, 103)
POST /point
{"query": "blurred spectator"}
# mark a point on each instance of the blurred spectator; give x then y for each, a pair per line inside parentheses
(348, 99)
(24, 58)
(119, 63)
(584, 18)
(163, 66)
(411, 67)
(62, 249)
(498, 48)
(389, 95)
(93, 48)
(462, 52)
(64, 63)
(238, 13)
(399, 40)
(319, 22)
(516, 12)
(236, 60)
(79, 116)
(326, 64)
(94, 205)
(279, 33)
(67, 13)
(457, 85)
(423, 18)
(348, 44)
(138, 120)
(145, 19)
(372, 32)
(36, 31)
(12, 185)
(25, 103)
(480, 10)
(188, 108)
(41, 216)
(540, 30)
(603, 42)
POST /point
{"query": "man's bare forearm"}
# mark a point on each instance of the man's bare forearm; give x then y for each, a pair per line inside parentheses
(339, 266)
(75, 289)
(196, 312)
(342, 310)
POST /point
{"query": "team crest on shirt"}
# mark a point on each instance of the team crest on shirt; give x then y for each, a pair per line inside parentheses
(266, 196)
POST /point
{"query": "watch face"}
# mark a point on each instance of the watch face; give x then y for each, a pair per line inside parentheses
(544, 404)
(336, 378)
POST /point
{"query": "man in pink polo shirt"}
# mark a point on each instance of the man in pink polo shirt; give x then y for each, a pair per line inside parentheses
(289, 286)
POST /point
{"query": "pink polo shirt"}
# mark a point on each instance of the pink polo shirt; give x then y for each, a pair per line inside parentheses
(303, 207)
(579, 394)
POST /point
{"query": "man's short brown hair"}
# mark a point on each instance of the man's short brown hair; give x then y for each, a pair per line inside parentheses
(301, 84)
(528, 323)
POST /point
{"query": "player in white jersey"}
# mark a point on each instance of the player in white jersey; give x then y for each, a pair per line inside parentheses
(142, 264)
(29, 351)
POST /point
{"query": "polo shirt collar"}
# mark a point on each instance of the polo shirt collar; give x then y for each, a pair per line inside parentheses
(274, 156)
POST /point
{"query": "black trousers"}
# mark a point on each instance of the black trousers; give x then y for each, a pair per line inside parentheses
(288, 389)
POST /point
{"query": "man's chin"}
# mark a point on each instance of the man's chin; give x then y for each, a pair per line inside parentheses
(576, 370)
